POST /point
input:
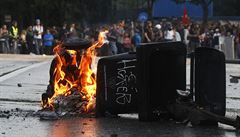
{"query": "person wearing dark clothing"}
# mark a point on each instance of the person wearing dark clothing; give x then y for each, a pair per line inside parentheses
(63, 34)
(23, 42)
(193, 37)
(148, 32)
(112, 37)
(4, 39)
(29, 39)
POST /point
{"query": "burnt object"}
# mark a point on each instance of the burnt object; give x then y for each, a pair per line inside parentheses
(69, 44)
(234, 79)
(76, 43)
(161, 70)
(209, 84)
(19, 85)
(116, 85)
(190, 112)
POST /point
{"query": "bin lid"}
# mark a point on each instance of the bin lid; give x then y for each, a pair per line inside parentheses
(76, 43)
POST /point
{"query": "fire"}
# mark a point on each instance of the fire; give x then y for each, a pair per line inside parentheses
(82, 78)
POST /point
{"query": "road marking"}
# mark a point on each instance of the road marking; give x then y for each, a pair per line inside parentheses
(17, 72)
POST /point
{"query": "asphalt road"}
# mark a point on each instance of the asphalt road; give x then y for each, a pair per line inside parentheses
(23, 78)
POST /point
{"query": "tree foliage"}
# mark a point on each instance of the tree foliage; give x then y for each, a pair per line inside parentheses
(55, 12)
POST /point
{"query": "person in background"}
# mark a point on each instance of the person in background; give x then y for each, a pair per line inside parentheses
(48, 40)
(193, 37)
(29, 39)
(38, 32)
(23, 42)
(137, 39)
(127, 43)
(237, 39)
(112, 37)
(73, 31)
(54, 31)
(158, 33)
(216, 36)
(176, 36)
(148, 32)
(14, 37)
(169, 33)
(120, 36)
(4, 38)
(185, 37)
(63, 34)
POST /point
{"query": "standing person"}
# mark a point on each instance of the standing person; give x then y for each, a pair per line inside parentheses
(37, 38)
(48, 42)
(193, 37)
(63, 34)
(216, 36)
(185, 37)
(112, 36)
(169, 33)
(158, 33)
(148, 32)
(23, 42)
(127, 43)
(29, 39)
(137, 39)
(14, 37)
(120, 36)
(54, 31)
(4, 37)
(73, 31)
(238, 45)
(177, 36)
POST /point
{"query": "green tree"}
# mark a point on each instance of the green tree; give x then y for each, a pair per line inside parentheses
(203, 3)
(226, 8)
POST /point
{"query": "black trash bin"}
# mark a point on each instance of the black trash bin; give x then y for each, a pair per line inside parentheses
(161, 69)
(116, 85)
(209, 85)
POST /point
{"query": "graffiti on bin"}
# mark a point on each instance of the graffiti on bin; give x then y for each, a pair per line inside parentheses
(126, 81)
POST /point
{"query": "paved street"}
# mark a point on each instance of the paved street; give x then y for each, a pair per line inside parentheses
(23, 78)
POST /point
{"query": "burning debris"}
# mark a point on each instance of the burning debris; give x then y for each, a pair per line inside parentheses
(72, 85)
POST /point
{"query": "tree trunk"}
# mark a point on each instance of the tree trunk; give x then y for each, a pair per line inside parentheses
(205, 14)
(150, 6)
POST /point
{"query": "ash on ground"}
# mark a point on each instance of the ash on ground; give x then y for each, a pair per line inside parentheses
(73, 105)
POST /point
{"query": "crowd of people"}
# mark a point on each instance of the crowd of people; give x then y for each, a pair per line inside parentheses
(34, 40)
(123, 36)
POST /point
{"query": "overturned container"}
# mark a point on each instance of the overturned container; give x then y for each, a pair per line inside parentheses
(161, 69)
(209, 79)
(116, 85)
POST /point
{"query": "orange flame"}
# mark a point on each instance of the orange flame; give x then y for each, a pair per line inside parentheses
(85, 81)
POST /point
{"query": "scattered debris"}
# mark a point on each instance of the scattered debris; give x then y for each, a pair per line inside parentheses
(234, 79)
(16, 113)
(19, 85)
